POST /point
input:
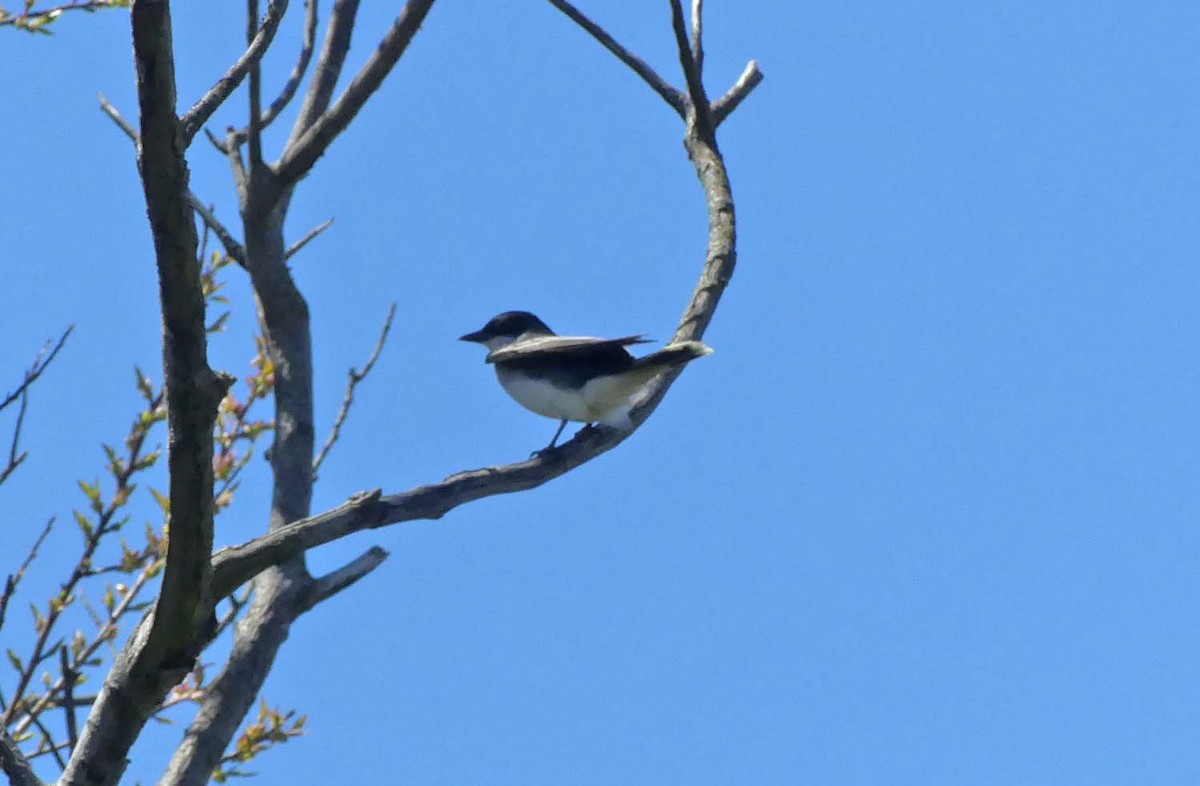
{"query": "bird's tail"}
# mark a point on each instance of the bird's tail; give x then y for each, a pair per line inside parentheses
(672, 355)
(615, 395)
(649, 367)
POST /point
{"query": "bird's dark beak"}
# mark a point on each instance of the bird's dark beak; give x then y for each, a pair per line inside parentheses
(477, 337)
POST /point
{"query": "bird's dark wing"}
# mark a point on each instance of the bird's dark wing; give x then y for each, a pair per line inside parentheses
(539, 348)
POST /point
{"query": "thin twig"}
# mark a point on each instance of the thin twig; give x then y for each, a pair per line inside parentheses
(304, 241)
(105, 633)
(40, 364)
(289, 88)
(354, 377)
(195, 118)
(69, 676)
(673, 97)
(14, 460)
(232, 247)
(54, 748)
(116, 117)
(691, 72)
(33, 20)
(217, 143)
(10, 583)
(724, 106)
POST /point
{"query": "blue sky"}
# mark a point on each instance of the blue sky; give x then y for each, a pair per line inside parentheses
(929, 513)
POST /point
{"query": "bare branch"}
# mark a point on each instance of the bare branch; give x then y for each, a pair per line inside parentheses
(289, 88)
(691, 72)
(724, 106)
(49, 744)
(329, 67)
(162, 649)
(232, 247)
(237, 168)
(698, 35)
(354, 377)
(673, 97)
(254, 129)
(69, 676)
(236, 565)
(15, 459)
(39, 365)
(116, 117)
(13, 763)
(327, 586)
(217, 143)
(195, 118)
(300, 154)
(14, 579)
(308, 238)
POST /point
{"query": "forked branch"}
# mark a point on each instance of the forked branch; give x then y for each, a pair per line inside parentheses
(195, 118)
(303, 152)
(236, 565)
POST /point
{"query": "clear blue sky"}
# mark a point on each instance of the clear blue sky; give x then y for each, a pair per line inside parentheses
(929, 514)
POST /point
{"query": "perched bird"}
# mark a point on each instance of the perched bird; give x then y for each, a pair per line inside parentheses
(573, 378)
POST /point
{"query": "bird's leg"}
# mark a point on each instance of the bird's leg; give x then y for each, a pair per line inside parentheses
(557, 434)
(550, 447)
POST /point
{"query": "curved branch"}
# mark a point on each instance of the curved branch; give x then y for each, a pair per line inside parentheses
(236, 565)
(195, 118)
(301, 153)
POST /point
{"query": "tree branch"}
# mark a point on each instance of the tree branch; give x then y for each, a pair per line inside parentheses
(39, 365)
(228, 242)
(724, 106)
(163, 648)
(325, 587)
(69, 676)
(329, 67)
(354, 377)
(232, 247)
(289, 88)
(698, 35)
(195, 118)
(14, 579)
(34, 20)
(13, 763)
(236, 565)
(308, 238)
(691, 72)
(254, 128)
(673, 97)
(15, 459)
(300, 155)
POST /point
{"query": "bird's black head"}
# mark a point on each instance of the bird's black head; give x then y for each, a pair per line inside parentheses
(508, 325)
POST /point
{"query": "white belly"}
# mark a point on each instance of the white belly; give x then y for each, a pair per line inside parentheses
(596, 403)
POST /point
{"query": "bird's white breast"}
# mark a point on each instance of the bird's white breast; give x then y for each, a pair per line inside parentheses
(540, 396)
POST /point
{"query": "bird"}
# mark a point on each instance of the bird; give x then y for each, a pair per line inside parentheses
(573, 378)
